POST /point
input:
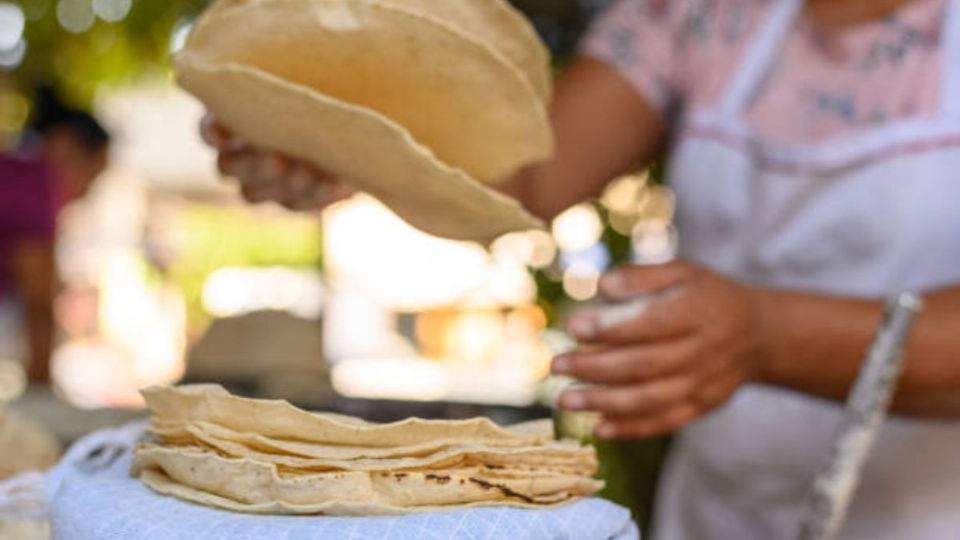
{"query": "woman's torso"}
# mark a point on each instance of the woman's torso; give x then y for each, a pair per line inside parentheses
(826, 165)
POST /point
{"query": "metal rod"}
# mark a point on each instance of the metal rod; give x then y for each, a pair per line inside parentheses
(866, 409)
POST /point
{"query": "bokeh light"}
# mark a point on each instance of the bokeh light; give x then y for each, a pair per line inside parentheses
(654, 242)
(12, 58)
(535, 249)
(578, 228)
(369, 247)
(581, 281)
(35, 9)
(178, 39)
(508, 283)
(405, 378)
(12, 21)
(232, 292)
(112, 10)
(75, 16)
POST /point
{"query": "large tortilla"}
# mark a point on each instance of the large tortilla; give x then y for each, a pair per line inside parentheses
(173, 407)
(364, 148)
(565, 456)
(267, 456)
(498, 24)
(459, 97)
(494, 22)
(261, 487)
(217, 436)
(161, 483)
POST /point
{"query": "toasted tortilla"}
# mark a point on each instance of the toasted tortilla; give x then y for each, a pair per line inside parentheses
(556, 456)
(365, 149)
(250, 486)
(494, 22)
(174, 407)
(456, 95)
(217, 436)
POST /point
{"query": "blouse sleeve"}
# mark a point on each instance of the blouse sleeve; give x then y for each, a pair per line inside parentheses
(28, 200)
(639, 39)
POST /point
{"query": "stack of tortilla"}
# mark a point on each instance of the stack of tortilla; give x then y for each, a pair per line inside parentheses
(269, 457)
(417, 102)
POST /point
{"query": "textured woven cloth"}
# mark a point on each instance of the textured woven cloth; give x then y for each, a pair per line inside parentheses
(108, 505)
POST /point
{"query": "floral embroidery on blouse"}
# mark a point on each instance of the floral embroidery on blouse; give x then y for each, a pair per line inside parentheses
(682, 53)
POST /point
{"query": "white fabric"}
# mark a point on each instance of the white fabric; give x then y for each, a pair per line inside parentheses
(951, 83)
(867, 216)
(91, 496)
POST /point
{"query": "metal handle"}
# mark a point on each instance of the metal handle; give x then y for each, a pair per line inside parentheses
(866, 408)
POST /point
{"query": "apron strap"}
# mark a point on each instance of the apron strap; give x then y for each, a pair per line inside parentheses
(950, 96)
(760, 57)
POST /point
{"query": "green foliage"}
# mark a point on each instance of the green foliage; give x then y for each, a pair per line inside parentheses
(139, 45)
(108, 53)
(209, 238)
(631, 470)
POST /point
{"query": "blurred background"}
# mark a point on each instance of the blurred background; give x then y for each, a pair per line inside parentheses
(164, 275)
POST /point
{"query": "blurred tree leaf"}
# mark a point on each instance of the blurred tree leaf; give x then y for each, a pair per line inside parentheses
(211, 238)
(107, 53)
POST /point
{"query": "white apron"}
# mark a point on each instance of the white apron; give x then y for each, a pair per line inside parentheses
(865, 216)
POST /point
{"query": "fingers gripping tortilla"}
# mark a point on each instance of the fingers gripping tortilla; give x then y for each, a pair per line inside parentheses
(397, 103)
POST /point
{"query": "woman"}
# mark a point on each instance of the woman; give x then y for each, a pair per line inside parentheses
(814, 147)
(35, 182)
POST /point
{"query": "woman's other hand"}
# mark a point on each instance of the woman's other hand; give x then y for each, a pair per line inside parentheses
(270, 177)
(680, 358)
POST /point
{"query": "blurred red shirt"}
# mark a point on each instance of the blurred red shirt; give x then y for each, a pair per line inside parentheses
(29, 201)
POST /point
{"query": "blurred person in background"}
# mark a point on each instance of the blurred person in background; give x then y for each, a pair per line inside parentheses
(814, 148)
(57, 162)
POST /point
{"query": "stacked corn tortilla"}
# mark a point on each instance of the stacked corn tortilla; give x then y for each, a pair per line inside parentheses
(268, 457)
(417, 102)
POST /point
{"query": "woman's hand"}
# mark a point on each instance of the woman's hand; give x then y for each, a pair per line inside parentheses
(677, 360)
(270, 177)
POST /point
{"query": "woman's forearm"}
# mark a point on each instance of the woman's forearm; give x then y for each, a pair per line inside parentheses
(603, 127)
(35, 273)
(816, 344)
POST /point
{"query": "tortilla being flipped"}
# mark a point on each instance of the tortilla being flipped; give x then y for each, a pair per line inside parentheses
(300, 77)
(493, 22)
(459, 97)
(250, 486)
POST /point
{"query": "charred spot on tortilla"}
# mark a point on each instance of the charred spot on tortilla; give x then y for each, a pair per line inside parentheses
(502, 489)
(439, 478)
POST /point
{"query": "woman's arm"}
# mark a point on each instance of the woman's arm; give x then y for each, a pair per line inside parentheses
(603, 126)
(35, 273)
(706, 336)
(815, 344)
